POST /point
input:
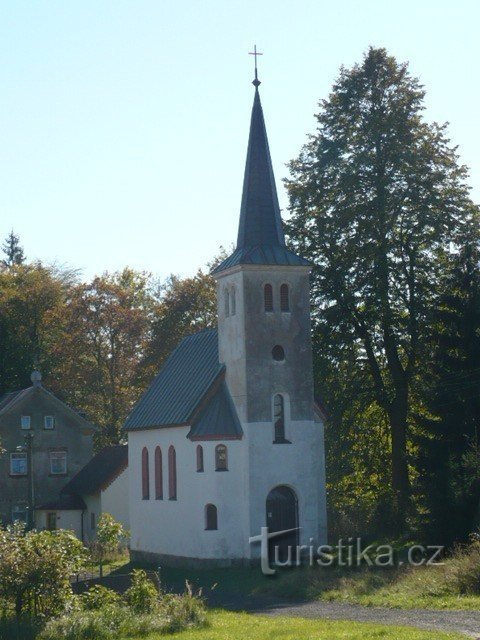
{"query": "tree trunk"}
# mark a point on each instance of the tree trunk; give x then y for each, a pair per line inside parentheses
(397, 415)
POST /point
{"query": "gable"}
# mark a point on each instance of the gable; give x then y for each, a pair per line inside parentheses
(218, 420)
(181, 385)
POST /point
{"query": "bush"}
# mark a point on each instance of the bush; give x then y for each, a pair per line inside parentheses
(464, 569)
(10, 629)
(99, 597)
(142, 596)
(183, 611)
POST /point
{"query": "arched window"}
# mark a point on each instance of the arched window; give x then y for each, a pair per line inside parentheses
(233, 302)
(145, 475)
(158, 474)
(278, 353)
(172, 473)
(227, 302)
(284, 298)
(221, 458)
(211, 517)
(199, 458)
(279, 418)
(268, 297)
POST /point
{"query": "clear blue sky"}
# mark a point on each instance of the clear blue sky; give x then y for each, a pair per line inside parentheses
(124, 124)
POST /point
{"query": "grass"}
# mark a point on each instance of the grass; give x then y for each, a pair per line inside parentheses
(433, 587)
(232, 626)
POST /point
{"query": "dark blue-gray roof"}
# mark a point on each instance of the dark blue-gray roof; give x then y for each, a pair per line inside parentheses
(260, 234)
(181, 385)
(218, 419)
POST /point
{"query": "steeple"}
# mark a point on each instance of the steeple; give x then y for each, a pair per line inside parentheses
(260, 234)
(260, 221)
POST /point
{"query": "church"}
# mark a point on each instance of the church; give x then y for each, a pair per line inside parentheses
(228, 438)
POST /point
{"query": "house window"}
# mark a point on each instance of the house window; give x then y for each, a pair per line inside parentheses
(268, 297)
(227, 302)
(92, 522)
(19, 513)
(49, 422)
(58, 462)
(278, 353)
(221, 458)
(284, 298)
(233, 302)
(52, 521)
(211, 517)
(172, 473)
(158, 474)
(18, 464)
(145, 475)
(279, 418)
(199, 458)
(25, 422)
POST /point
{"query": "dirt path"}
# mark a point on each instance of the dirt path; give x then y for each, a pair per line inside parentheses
(466, 622)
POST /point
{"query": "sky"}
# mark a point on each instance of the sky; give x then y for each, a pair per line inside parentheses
(124, 124)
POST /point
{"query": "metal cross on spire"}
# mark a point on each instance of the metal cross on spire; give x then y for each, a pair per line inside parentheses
(255, 53)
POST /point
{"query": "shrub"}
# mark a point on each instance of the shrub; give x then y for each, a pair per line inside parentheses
(99, 597)
(187, 610)
(142, 596)
(11, 629)
(464, 569)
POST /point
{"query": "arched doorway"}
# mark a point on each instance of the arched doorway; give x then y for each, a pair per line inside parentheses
(282, 514)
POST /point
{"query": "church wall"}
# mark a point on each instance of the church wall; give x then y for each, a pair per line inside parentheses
(175, 529)
(299, 465)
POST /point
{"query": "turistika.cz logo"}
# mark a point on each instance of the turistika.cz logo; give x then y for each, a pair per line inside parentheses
(349, 552)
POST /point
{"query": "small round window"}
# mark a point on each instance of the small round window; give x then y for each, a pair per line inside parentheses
(278, 353)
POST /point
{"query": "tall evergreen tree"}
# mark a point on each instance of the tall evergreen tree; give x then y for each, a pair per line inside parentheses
(449, 451)
(377, 199)
(13, 251)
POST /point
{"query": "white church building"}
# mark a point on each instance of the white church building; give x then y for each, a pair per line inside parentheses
(228, 438)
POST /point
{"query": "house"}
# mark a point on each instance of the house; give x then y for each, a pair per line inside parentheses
(101, 486)
(228, 438)
(45, 444)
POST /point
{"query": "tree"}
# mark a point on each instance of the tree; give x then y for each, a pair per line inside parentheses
(13, 251)
(36, 569)
(110, 534)
(105, 327)
(377, 200)
(186, 305)
(32, 299)
(449, 460)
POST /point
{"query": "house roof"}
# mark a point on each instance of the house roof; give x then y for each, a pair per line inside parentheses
(99, 472)
(64, 503)
(218, 420)
(181, 385)
(260, 234)
(7, 398)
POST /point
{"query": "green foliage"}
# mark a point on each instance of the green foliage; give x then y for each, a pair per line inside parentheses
(35, 569)
(99, 597)
(142, 596)
(379, 201)
(13, 251)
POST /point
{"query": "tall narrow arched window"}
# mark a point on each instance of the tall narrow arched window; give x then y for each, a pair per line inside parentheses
(172, 473)
(227, 302)
(233, 302)
(221, 458)
(199, 458)
(158, 474)
(279, 418)
(145, 475)
(211, 517)
(284, 298)
(268, 297)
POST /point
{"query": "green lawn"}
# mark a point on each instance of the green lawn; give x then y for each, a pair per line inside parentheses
(428, 588)
(235, 626)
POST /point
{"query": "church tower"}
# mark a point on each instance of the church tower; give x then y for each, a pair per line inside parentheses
(264, 342)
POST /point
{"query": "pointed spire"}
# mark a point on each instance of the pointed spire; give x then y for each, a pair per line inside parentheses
(260, 221)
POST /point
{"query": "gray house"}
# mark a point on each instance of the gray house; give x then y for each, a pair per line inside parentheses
(45, 443)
